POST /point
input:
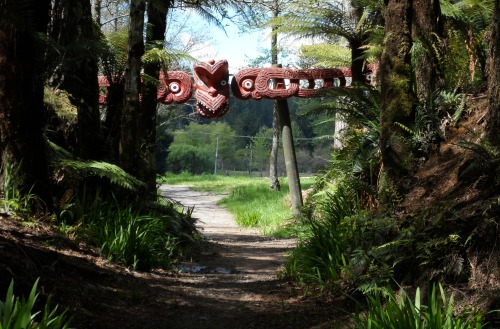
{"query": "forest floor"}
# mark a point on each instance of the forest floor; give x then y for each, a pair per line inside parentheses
(232, 283)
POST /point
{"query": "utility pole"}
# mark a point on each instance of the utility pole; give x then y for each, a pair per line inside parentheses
(216, 153)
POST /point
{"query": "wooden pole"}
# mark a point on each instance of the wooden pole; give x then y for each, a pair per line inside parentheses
(292, 171)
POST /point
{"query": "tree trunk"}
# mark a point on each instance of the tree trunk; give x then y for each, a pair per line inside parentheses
(493, 116)
(356, 62)
(292, 171)
(274, 182)
(157, 25)
(425, 25)
(73, 28)
(97, 9)
(396, 96)
(129, 143)
(21, 95)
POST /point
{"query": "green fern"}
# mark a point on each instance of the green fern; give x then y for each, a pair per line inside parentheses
(115, 174)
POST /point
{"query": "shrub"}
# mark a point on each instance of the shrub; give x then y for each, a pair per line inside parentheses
(183, 157)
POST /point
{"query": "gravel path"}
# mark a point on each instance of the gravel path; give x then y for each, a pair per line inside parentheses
(230, 247)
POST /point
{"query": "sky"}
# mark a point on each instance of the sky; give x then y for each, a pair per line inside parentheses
(233, 45)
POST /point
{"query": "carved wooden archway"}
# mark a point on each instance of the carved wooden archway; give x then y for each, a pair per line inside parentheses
(211, 85)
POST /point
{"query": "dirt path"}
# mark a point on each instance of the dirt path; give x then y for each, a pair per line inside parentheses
(237, 284)
(237, 250)
(232, 283)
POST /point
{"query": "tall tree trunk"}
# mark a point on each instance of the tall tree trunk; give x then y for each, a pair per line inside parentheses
(157, 25)
(73, 28)
(426, 20)
(129, 143)
(21, 94)
(493, 117)
(396, 96)
(274, 182)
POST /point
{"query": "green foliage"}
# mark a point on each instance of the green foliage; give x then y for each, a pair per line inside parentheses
(327, 55)
(249, 199)
(486, 160)
(320, 255)
(194, 148)
(398, 311)
(15, 200)
(59, 101)
(20, 314)
(184, 157)
(115, 174)
(142, 240)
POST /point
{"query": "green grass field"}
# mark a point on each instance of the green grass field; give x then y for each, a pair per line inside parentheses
(249, 199)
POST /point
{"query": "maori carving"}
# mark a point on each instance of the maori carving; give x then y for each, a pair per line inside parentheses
(211, 81)
(212, 88)
(175, 87)
(256, 83)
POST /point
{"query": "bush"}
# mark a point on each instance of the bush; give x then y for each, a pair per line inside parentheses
(195, 160)
(140, 239)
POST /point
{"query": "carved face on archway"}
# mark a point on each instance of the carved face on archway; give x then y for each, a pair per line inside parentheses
(212, 88)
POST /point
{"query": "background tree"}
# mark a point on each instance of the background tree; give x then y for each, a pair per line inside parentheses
(72, 28)
(155, 39)
(130, 155)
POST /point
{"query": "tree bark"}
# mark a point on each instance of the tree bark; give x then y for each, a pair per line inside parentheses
(292, 171)
(21, 95)
(157, 25)
(274, 182)
(493, 116)
(426, 18)
(396, 95)
(129, 143)
(73, 28)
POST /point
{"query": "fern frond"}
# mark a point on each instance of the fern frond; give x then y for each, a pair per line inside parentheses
(327, 55)
(115, 174)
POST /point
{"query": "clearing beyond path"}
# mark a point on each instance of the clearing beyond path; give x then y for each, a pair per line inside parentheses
(233, 282)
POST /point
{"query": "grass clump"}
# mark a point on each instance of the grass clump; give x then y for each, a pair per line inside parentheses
(388, 310)
(18, 313)
(141, 239)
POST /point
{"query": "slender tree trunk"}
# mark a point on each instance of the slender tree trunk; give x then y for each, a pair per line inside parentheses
(356, 62)
(157, 25)
(493, 117)
(274, 182)
(21, 95)
(396, 96)
(97, 9)
(73, 28)
(129, 143)
(292, 171)
(426, 16)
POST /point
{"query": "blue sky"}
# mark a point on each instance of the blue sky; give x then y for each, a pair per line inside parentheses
(234, 46)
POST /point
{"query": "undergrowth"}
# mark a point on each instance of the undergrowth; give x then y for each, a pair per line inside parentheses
(21, 313)
(139, 239)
